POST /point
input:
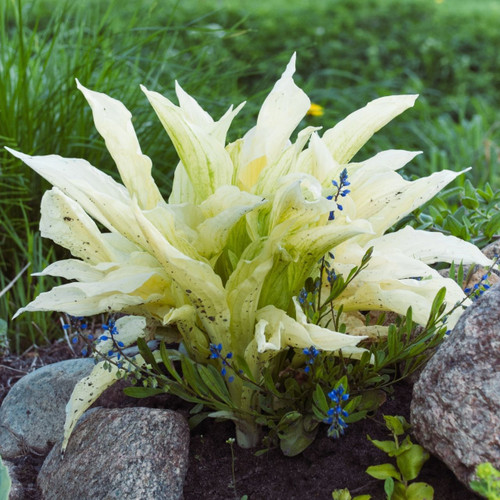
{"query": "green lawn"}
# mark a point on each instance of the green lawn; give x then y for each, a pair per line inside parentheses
(224, 52)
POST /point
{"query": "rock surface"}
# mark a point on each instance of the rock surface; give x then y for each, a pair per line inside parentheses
(127, 453)
(455, 410)
(32, 414)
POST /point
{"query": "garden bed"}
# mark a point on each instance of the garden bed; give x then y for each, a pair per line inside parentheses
(326, 465)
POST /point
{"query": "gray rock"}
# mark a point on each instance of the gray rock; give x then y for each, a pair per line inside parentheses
(127, 453)
(16, 488)
(33, 412)
(455, 410)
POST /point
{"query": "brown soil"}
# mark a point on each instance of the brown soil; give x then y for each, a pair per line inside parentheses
(326, 465)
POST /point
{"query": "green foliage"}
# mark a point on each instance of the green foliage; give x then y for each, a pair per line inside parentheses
(409, 457)
(5, 481)
(472, 214)
(487, 483)
(409, 461)
(346, 495)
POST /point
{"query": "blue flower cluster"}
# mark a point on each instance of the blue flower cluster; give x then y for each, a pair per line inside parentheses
(77, 324)
(311, 353)
(479, 288)
(336, 414)
(342, 191)
(111, 330)
(216, 353)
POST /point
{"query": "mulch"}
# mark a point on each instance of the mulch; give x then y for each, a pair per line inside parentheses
(326, 465)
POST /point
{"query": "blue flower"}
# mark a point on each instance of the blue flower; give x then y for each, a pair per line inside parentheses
(215, 350)
(336, 414)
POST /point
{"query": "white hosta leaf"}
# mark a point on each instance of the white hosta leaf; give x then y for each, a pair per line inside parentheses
(430, 247)
(198, 281)
(72, 269)
(88, 389)
(243, 289)
(281, 112)
(386, 262)
(114, 122)
(289, 162)
(390, 160)
(121, 288)
(275, 330)
(205, 161)
(385, 198)
(197, 116)
(221, 212)
(398, 295)
(349, 136)
(66, 223)
(96, 192)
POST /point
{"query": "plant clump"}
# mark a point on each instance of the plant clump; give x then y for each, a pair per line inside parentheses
(270, 267)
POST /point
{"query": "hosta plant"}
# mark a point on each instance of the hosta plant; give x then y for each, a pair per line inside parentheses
(265, 261)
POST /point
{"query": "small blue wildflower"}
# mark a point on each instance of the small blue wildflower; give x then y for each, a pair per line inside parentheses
(84, 352)
(90, 336)
(103, 337)
(83, 326)
(340, 207)
(311, 353)
(336, 414)
(121, 344)
(215, 351)
(230, 379)
(66, 326)
(110, 353)
(302, 296)
(335, 183)
(74, 340)
(223, 371)
(229, 355)
(467, 290)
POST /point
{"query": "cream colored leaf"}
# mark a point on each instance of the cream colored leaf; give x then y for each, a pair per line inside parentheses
(347, 137)
(114, 122)
(206, 162)
(88, 389)
(67, 224)
(430, 247)
(202, 286)
(281, 112)
(96, 192)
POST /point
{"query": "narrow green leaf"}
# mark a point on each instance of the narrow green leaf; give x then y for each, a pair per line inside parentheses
(143, 392)
(147, 354)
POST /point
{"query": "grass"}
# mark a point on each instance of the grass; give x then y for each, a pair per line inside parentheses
(224, 52)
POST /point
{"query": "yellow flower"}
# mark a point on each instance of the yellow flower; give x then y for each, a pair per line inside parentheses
(315, 110)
